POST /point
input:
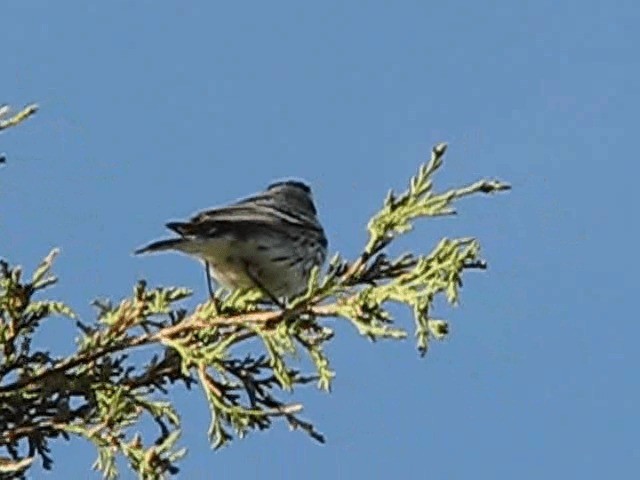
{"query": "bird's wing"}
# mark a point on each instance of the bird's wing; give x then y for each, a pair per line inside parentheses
(242, 215)
(240, 219)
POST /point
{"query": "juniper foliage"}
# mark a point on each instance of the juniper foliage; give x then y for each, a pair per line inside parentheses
(100, 394)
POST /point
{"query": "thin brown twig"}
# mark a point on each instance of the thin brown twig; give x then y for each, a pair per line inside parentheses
(192, 323)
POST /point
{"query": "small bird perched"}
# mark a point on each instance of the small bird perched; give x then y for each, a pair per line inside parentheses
(270, 240)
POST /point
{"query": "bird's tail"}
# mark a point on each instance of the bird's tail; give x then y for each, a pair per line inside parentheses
(161, 245)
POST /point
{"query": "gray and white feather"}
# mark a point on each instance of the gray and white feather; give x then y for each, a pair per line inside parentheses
(271, 240)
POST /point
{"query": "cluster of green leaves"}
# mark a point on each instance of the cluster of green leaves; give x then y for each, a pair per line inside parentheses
(100, 394)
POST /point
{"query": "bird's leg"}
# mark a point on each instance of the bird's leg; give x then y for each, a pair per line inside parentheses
(258, 283)
(209, 282)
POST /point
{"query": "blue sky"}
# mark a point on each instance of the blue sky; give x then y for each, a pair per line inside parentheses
(153, 110)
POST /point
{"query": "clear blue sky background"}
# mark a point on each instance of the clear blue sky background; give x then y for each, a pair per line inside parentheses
(153, 110)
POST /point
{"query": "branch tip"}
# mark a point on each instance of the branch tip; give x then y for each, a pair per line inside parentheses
(439, 149)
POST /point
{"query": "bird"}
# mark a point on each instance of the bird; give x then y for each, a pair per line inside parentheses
(270, 240)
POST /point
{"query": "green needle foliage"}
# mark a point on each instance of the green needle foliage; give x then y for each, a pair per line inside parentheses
(100, 394)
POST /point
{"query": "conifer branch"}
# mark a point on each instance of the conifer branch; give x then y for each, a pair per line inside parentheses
(100, 394)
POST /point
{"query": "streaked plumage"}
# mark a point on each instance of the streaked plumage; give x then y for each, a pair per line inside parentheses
(271, 240)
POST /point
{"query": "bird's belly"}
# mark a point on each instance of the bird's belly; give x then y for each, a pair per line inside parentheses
(235, 264)
(230, 273)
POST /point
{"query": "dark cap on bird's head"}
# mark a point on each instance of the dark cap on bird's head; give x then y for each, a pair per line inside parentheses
(297, 194)
(290, 183)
